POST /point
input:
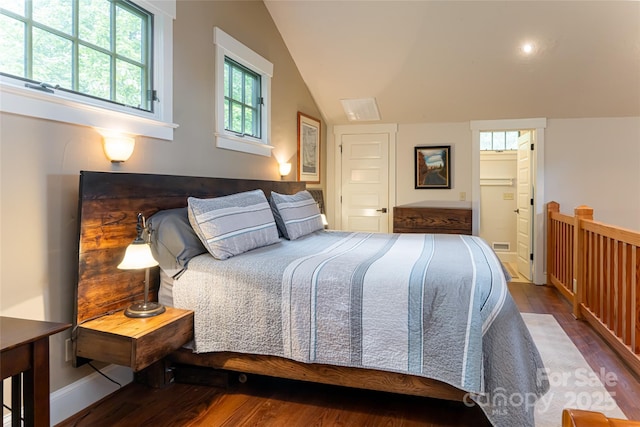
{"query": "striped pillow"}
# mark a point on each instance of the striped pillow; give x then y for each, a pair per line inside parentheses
(296, 215)
(233, 224)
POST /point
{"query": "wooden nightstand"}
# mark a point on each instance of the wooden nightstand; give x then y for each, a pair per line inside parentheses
(136, 343)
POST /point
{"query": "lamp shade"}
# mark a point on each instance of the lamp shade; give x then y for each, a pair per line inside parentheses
(285, 168)
(138, 255)
(118, 148)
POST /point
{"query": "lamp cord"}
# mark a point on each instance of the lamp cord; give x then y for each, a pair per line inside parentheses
(104, 375)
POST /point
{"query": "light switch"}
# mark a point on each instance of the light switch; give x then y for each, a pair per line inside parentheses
(507, 196)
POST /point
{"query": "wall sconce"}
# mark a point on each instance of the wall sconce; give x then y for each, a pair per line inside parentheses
(325, 223)
(138, 256)
(118, 148)
(285, 168)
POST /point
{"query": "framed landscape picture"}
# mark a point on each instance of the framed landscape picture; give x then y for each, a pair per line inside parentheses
(433, 167)
(308, 149)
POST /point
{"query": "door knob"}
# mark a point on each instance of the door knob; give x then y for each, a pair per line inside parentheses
(383, 210)
(517, 210)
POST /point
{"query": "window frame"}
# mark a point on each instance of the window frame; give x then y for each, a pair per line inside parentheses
(227, 46)
(493, 134)
(246, 73)
(69, 107)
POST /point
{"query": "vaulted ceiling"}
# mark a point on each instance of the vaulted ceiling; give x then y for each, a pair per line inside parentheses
(451, 61)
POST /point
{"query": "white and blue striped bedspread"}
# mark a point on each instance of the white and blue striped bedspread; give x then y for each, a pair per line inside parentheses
(423, 304)
(386, 302)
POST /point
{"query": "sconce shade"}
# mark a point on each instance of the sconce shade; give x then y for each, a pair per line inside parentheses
(285, 168)
(324, 220)
(118, 148)
(138, 255)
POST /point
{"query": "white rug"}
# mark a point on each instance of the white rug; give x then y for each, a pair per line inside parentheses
(573, 383)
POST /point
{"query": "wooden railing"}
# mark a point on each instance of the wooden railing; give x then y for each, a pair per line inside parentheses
(560, 250)
(597, 267)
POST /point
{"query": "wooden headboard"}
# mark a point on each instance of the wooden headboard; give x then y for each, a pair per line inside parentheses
(107, 213)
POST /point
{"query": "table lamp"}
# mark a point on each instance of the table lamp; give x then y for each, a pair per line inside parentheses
(138, 255)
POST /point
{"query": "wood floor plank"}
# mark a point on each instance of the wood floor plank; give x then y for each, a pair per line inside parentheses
(226, 406)
(267, 402)
(625, 388)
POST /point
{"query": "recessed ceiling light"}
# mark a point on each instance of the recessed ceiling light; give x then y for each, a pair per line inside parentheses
(361, 109)
(527, 48)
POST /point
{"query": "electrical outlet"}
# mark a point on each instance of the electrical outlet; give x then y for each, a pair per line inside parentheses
(463, 196)
(68, 350)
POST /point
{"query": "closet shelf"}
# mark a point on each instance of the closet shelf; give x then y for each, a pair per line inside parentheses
(497, 181)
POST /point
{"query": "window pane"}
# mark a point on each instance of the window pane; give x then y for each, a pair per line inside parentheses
(498, 140)
(236, 84)
(248, 122)
(15, 6)
(12, 46)
(93, 73)
(226, 113)
(94, 24)
(128, 84)
(236, 117)
(485, 141)
(54, 13)
(512, 140)
(249, 90)
(255, 124)
(51, 59)
(129, 30)
(227, 77)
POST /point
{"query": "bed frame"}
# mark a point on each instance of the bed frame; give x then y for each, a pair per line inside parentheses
(107, 214)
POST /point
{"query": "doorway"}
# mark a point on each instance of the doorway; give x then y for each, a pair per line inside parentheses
(530, 219)
(505, 194)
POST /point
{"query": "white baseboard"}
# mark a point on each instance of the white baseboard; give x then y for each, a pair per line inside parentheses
(507, 256)
(75, 397)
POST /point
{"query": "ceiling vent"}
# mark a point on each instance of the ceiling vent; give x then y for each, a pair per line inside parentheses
(361, 109)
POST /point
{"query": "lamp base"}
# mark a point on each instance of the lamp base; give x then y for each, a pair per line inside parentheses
(142, 309)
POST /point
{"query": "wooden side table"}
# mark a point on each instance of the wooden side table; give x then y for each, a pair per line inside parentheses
(24, 354)
(136, 343)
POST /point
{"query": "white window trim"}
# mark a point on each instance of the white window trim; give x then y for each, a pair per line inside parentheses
(225, 45)
(72, 108)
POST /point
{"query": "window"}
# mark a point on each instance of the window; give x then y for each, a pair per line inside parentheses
(58, 57)
(242, 104)
(499, 141)
(105, 55)
(242, 100)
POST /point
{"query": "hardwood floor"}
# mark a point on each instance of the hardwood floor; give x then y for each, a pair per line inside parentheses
(274, 402)
(544, 299)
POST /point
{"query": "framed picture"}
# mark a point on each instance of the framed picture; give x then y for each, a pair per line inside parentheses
(433, 167)
(308, 149)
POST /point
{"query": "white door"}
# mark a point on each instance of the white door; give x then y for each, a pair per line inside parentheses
(365, 182)
(524, 209)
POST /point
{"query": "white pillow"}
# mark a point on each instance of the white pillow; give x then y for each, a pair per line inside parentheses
(234, 224)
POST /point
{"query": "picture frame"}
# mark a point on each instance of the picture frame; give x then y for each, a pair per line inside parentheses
(309, 139)
(432, 167)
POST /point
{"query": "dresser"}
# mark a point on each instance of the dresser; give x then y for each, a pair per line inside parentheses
(432, 219)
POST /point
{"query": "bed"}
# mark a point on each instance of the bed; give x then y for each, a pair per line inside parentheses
(269, 310)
